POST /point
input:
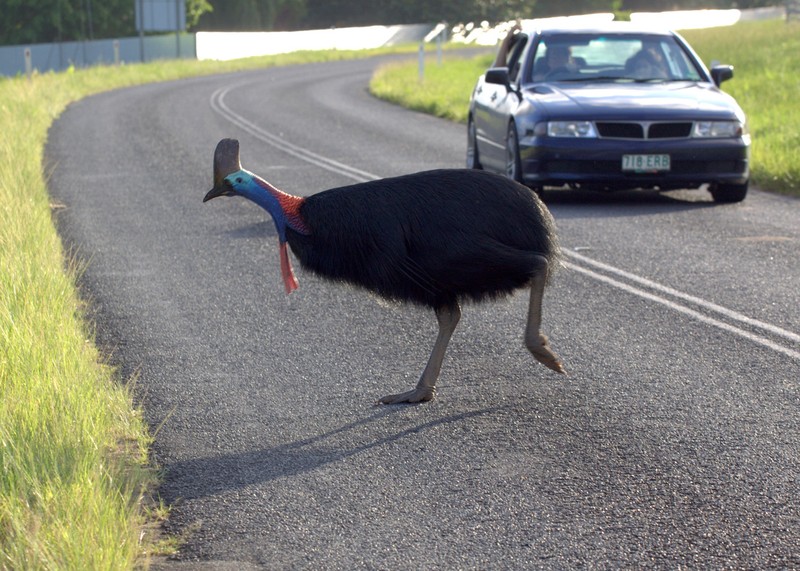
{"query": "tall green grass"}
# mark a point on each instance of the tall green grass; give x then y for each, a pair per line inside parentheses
(73, 447)
(444, 90)
(766, 56)
(766, 84)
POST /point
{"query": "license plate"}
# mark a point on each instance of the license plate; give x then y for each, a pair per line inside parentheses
(645, 163)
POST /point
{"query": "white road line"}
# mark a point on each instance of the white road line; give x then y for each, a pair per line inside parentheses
(218, 105)
(686, 297)
(686, 311)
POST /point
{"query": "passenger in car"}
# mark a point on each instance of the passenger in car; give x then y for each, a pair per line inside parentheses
(643, 65)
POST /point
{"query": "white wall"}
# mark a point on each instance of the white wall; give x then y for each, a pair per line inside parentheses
(234, 45)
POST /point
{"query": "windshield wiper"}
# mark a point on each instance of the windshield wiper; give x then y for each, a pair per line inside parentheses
(663, 80)
(594, 78)
(614, 78)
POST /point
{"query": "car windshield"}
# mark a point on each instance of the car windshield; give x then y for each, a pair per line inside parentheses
(622, 58)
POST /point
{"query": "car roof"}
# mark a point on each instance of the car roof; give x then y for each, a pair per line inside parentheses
(553, 26)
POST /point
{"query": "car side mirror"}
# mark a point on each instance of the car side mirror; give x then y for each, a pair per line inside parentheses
(720, 73)
(498, 76)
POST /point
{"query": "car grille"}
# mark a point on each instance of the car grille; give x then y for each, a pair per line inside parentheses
(643, 130)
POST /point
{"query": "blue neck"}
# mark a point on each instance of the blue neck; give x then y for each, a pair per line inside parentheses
(269, 202)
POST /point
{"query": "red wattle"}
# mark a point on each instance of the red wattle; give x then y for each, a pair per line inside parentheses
(289, 281)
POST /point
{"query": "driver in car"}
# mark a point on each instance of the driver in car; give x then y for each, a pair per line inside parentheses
(557, 58)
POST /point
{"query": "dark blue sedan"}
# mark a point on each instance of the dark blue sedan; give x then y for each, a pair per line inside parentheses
(608, 108)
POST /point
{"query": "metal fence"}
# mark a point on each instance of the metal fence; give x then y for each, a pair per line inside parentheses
(202, 45)
(792, 9)
(60, 56)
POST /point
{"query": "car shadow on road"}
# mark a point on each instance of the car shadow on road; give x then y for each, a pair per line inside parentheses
(583, 203)
(208, 476)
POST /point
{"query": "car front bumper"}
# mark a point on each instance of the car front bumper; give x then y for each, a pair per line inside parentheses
(596, 163)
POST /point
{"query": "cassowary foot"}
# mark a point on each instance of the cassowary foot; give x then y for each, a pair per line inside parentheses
(540, 348)
(417, 395)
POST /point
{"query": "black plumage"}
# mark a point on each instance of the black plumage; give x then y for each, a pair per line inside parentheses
(429, 238)
(433, 238)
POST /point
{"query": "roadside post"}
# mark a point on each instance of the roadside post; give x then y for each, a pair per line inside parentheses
(437, 33)
(28, 63)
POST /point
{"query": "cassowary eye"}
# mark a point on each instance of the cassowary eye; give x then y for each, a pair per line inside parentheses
(239, 179)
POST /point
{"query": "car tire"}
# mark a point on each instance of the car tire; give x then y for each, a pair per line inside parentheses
(728, 193)
(513, 163)
(473, 161)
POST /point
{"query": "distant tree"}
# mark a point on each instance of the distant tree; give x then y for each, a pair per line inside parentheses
(38, 21)
(326, 13)
(195, 10)
(498, 10)
(254, 15)
(547, 8)
(34, 21)
(755, 3)
(659, 5)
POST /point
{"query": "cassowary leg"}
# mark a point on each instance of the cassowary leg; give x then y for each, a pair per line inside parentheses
(534, 339)
(448, 316)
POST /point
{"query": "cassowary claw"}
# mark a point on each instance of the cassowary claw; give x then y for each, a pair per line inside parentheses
(540, 349)
(420, 394)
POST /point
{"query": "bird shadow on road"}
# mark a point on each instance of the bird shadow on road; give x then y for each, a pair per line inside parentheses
(201, 477)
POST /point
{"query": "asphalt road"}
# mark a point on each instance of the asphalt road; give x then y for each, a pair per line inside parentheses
(674, 441)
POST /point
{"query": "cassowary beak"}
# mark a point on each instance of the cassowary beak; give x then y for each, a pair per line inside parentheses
(226, 161)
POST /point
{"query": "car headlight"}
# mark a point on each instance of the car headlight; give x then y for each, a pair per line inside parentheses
(582, 129)
(717, 129)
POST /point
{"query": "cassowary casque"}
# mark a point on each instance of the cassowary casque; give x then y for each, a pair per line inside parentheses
(432, 238)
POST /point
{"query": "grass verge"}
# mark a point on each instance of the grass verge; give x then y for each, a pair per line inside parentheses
(766, 84)
(73, 448)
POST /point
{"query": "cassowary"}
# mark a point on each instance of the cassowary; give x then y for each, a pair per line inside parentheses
(433, 238)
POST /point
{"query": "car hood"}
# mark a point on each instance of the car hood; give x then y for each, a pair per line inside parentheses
(656, 101)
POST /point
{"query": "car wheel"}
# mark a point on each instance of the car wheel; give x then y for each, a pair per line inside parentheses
(727, 193)
(513, 164)
(473, 161)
